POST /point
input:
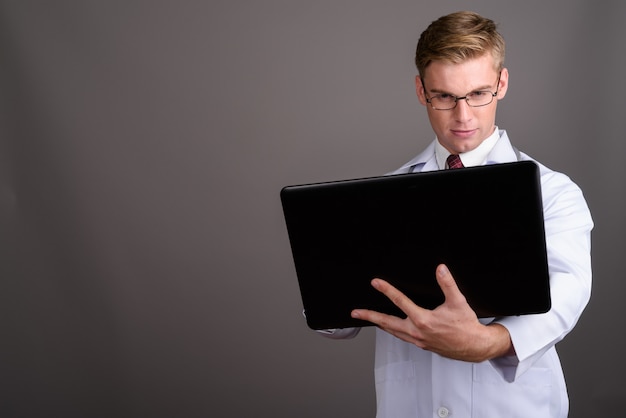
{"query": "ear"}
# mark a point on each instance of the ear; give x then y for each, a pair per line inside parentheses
(504, 83)
(419, 89)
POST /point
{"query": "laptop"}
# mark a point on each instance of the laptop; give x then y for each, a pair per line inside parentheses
(485, 223)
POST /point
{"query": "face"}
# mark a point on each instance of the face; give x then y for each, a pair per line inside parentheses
(463, 128)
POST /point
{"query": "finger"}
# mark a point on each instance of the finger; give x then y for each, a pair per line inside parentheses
(389, 323)
(397, 327)
(398, 298)
(382, 320)
(448, 285)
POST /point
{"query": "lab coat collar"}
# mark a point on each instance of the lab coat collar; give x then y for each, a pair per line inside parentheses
(424, 161)
(502, 152)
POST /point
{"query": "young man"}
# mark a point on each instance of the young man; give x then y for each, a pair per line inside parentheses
(447, 362)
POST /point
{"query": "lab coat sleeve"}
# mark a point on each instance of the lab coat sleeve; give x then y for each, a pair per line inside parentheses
(568, 227)
(340, 333)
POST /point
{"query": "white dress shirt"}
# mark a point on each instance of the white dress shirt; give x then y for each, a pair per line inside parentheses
(414, 383)
(472, 158)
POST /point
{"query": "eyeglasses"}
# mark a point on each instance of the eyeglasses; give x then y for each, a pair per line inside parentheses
(478, 98)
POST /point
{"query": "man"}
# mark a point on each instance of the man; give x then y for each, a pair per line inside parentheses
(447, 362)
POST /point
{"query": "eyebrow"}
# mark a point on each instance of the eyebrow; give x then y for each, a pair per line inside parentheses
(484, 87)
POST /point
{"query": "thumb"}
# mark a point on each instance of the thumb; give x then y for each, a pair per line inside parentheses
(447, 284)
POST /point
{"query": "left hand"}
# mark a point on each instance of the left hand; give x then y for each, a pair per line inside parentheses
(451, 330)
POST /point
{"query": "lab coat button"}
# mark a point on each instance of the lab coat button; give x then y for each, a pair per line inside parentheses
(443, 412)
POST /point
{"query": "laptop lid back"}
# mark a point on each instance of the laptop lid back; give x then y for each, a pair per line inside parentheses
(485, 223)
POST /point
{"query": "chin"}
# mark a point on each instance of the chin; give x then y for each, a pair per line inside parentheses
(465, 146)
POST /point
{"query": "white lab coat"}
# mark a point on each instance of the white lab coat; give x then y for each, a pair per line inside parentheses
(414, 383)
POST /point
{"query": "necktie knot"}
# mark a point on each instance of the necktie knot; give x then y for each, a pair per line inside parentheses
(454, 161)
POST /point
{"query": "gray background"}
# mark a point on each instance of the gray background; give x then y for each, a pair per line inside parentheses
(144, 265)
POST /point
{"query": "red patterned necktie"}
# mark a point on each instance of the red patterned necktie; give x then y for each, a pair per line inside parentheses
(454, 161)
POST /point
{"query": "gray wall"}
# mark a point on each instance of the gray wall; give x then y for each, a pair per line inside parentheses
(144, 263)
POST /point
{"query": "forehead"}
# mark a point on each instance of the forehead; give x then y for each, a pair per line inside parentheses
(477, 73)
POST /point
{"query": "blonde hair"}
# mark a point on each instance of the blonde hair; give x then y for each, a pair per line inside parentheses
(457, 37)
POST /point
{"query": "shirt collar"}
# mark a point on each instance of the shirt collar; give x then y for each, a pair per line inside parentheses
(472, 158)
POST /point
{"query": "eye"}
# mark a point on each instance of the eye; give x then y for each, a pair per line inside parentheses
(478, 93)
(446, 97)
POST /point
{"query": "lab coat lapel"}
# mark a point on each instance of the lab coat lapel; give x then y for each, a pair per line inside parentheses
(425, 161)
(503, 151)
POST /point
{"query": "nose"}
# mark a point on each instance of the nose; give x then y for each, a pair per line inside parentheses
(463, 111)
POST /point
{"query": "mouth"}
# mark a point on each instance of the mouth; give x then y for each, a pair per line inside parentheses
(464, 133)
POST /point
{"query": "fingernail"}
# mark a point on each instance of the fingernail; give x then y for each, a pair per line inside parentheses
(355, 315)
(443, 270)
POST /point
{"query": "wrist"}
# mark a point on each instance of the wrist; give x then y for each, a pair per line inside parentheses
(500, 343)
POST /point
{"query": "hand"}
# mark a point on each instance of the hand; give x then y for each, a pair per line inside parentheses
(451, 330)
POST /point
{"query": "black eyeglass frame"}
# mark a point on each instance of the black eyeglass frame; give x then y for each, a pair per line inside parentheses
(456, 99)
